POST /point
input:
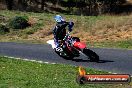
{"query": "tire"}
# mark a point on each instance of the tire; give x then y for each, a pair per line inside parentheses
(68, 57)
(92, 55)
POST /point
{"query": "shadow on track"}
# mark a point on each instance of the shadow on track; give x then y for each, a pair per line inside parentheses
(105, 61)
(82, 60)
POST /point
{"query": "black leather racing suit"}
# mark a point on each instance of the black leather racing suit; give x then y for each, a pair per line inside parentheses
(59, 31)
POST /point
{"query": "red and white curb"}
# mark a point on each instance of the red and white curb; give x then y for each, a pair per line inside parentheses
(29, 60)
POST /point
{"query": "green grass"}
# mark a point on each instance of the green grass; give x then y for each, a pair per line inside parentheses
(25, 74)
(41, 20)
(87, 21)
(125, 44)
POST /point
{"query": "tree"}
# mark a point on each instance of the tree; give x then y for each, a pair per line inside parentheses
(9, 4)
(22, 4)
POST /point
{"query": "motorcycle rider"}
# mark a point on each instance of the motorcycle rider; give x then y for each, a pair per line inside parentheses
(59, 31)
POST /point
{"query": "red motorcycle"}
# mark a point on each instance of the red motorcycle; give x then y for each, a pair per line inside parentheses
(71, 47)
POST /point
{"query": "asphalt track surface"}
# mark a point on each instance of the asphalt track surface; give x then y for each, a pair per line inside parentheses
(112, 60)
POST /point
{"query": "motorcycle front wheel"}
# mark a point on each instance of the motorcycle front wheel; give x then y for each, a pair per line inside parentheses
(92, 55)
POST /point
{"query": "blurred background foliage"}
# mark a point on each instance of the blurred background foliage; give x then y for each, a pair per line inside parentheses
(76, 7)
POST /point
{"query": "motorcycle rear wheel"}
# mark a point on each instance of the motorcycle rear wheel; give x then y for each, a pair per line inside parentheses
(92, 55)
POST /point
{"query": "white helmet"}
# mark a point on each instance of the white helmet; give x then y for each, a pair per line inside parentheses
(58, 18)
